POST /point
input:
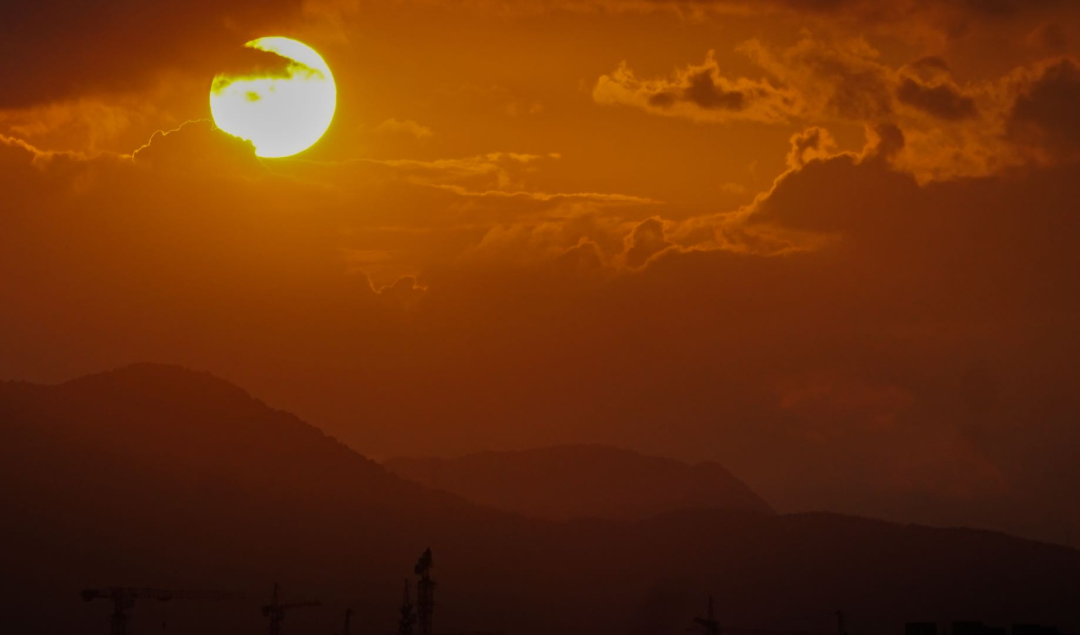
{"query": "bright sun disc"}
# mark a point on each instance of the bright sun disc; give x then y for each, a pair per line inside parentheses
(280, 113)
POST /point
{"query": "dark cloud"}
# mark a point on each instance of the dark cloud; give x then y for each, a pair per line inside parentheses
(932, 62)
(885, 142)
(698, 92)
(870, 11)
(645, 241)
(804, 201)
(884, 11)
(245, 61)
(703, 90)
(663, 100)
(812, 143)
(1052, 37)
(57, 49)
(942, 100)
(1044, 116)
(117, 46)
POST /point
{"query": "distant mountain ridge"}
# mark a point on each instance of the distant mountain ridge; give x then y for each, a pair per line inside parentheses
(158, 476)
(582, 481)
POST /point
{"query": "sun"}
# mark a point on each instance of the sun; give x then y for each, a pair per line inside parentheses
(281, 112)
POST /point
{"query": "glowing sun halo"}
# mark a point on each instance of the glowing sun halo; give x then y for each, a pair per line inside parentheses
(281, 113)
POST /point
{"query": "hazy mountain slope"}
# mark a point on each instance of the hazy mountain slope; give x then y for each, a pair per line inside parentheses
(156, 476)
(582, 481)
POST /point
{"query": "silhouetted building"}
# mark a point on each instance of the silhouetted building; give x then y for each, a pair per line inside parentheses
(967, 628)
(976, 628)
(921, 628)
(1034, 629)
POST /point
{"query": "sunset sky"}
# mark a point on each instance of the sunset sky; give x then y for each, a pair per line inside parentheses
(832, 244)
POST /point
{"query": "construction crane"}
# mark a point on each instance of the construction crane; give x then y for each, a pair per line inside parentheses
(425, 592)
(408, 617)
(425, 599)
(708, 624)
(275, 610)
(123, 599)
(348, 618)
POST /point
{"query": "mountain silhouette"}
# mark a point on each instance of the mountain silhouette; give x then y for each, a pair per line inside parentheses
(162, 477)
(582, 481)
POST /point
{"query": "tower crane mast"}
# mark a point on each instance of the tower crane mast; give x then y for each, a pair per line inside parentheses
(123, 599)
(276, 610)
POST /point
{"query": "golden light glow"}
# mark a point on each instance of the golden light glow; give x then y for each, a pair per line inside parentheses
(280, 113)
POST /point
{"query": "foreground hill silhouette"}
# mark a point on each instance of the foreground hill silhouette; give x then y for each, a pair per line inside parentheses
(158, 476)
(582, 481)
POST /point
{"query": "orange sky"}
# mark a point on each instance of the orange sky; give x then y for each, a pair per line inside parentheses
(830, 244)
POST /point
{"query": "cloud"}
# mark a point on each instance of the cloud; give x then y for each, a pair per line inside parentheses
(37, 179)
(584, 242)
(812, 143)
(1043, 118)
(405, 291)
(407, 127)
(245, 61)
(698, 92)
(89, 124)
(594, 197)
(1052, 37)
(199, 147)
(200, 34)
(99, 39)
(948, 16)
(501, 168)
(941, 100)
(836, 79)
(20, 150)
(645, 241)
(497, 176)
(815, 79)
(951, 129)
